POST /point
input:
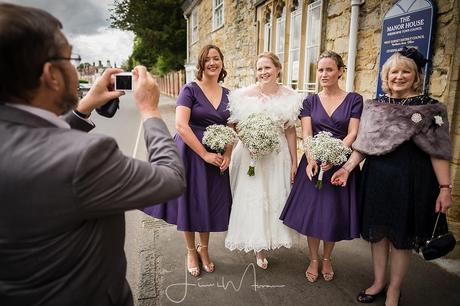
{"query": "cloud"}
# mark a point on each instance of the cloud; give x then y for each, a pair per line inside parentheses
(86, 25)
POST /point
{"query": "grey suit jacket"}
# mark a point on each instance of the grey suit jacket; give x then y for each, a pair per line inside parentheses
(63, 194)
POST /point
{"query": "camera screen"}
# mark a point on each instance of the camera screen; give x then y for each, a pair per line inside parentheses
(124, 82)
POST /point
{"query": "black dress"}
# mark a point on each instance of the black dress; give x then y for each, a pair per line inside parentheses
(398, 193)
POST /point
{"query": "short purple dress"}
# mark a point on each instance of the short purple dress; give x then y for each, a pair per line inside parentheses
(205, 205)
(329, 213)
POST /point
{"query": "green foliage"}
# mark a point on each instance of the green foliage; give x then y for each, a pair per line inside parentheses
(160, 30)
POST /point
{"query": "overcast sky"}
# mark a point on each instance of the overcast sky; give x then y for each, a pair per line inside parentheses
(86, 25)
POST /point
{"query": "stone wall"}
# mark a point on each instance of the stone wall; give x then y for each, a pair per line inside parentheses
(237, 40)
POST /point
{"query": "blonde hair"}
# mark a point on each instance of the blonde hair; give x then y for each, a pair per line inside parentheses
(398, 59)
(273, 57)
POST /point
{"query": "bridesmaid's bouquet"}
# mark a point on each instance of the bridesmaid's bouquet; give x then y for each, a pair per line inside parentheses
(217, 136)
(326, 149)
(260, 135)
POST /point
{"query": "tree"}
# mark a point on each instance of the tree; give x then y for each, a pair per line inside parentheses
(160, 30)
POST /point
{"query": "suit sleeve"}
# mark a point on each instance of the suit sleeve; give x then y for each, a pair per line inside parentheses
(107, 182)
(78, 123)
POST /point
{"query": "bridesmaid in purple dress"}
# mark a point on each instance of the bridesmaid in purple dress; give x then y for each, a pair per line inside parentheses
(205, 206)
(328, 214)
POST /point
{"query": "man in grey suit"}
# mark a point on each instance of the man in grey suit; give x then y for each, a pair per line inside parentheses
(63, 192)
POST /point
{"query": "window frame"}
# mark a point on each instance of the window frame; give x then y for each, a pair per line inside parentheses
(220, 7)
(310, 31)
(194, 26)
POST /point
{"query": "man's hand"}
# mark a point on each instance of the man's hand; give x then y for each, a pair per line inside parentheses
(146, 93)
(100, 93)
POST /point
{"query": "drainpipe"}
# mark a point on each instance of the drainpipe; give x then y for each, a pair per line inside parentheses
(352, 43)
(188, 47)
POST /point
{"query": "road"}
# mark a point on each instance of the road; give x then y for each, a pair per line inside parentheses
(156, 257)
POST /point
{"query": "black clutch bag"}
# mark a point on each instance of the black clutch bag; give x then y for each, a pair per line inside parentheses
(438, 246)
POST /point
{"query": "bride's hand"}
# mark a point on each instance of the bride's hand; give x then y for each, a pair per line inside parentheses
(213, 159)
(312, 169)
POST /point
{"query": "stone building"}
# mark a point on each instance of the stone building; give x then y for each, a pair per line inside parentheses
(298, 30)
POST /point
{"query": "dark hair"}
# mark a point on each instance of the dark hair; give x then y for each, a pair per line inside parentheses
(28, 38)
(202, 60)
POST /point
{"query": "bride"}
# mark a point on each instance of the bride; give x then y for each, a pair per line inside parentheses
(258, 200)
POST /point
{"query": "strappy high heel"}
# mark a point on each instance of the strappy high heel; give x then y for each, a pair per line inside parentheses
(328, 276)
(194, 271)
(210, 267)
(261, 262)
(311, 277)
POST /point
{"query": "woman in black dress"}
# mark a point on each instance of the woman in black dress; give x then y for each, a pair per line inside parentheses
(404, 137)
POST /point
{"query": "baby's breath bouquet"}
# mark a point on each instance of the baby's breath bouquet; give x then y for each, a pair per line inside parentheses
(217, 136)
(259, 134)
(326, 149)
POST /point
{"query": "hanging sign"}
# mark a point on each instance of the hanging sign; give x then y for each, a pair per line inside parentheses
(409, 23)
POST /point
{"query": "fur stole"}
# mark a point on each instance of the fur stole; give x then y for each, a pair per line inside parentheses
(383, 127)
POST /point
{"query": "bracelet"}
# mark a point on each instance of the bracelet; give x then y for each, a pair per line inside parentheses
(81, 114)
(345, 169)
(445, 186)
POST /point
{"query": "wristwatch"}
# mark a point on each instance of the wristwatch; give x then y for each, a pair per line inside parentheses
(445, 186)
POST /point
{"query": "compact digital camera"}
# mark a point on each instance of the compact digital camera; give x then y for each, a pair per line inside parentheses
(124, 81)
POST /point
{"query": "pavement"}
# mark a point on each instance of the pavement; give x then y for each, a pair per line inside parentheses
(157, 268)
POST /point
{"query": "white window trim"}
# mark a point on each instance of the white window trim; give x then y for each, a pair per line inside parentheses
(214, 8)
(195, 38)
(297, 12)
(267, 36)
(311, 87)
(280, 20)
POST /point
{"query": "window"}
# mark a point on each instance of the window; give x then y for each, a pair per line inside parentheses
(194, 25)
(267, 36)
(280, 24)
(218, 14)
(312, 46)
(294, 46)
(268, 31)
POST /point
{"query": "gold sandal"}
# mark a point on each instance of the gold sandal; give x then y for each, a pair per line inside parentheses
(311, 277)
(209, 267)
(194, 271)
(328, 276)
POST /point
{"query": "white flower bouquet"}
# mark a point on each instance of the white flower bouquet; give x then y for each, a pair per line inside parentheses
(260, 135)
(217, 136)
(326, 149)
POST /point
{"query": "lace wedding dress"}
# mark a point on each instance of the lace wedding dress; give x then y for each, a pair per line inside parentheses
(258, 200)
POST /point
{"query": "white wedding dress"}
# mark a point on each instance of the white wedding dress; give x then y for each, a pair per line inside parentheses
(258, 200)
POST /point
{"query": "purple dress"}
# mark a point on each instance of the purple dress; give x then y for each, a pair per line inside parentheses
(330, 213)
(205, 205)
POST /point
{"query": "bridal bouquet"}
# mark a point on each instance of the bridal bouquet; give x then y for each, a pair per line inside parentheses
(326, 149)
(217, 136)
(259, 134)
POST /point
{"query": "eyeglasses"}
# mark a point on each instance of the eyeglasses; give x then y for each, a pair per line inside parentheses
(74, 59)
